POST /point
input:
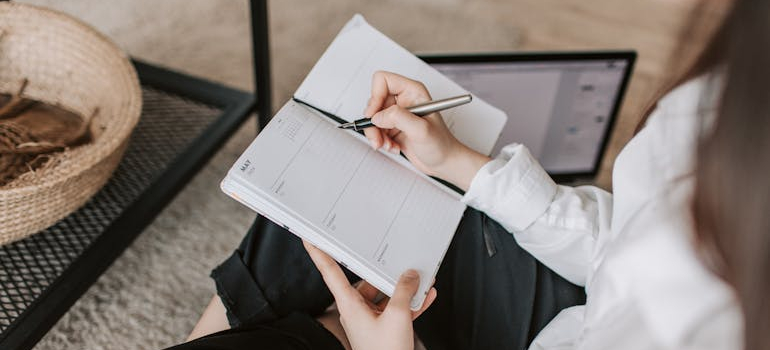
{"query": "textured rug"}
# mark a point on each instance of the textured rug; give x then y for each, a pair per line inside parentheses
(152, 295)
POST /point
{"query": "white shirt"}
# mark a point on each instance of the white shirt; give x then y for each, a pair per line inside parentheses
(633, 251)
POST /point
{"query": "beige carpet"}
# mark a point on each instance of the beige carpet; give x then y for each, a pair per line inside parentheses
(151, 297)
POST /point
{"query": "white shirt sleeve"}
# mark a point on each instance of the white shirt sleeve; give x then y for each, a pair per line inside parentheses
(558, 225)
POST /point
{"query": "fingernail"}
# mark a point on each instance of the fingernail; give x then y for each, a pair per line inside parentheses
(387, 145)
(411, 274)
(376, 119)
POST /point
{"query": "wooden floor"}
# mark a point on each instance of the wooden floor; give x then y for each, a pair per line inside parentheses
(650, 27)
(212, 38)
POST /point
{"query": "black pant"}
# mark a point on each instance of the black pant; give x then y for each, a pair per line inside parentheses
(491, 293)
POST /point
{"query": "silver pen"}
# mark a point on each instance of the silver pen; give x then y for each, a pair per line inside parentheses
(419, 110)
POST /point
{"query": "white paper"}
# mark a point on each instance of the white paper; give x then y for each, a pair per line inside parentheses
(363, 207)
(340, 83)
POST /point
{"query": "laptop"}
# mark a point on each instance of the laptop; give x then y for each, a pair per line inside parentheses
(562, 106)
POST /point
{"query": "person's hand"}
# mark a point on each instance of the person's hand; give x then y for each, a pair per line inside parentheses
(425, 141)
(369, 323)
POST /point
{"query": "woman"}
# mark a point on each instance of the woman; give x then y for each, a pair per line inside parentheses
(677, 258)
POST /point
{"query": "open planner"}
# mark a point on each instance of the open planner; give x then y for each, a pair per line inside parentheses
(370, 210)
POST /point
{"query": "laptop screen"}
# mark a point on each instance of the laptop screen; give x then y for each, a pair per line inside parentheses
(561, 106)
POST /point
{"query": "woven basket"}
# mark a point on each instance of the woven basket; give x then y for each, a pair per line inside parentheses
(66, 63)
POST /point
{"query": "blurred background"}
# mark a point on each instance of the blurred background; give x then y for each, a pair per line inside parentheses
(153, 294)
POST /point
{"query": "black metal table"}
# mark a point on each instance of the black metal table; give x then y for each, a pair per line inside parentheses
(184, 121)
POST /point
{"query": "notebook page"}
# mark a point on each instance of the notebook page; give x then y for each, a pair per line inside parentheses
(340, 83)
(386, 216)
(259, 202)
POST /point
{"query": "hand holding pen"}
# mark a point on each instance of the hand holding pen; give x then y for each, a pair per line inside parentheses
(425, 141)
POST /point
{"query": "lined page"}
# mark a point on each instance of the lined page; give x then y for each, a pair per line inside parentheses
(340, 83)
(384, 214)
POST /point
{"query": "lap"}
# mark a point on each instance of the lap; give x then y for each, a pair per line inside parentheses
(295, 331)
(491, 293)
(270, 276)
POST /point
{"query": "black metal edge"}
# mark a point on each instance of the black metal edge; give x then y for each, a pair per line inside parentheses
(260, 42)
(48, 308)
(527, 56)
(615, 110)
(627, 55)
(198, 89)
(610, 130)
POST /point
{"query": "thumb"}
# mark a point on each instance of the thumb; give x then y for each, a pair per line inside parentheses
(406, 288)
(396, 117)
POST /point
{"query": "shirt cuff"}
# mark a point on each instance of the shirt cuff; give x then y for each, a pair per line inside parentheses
(512, 189)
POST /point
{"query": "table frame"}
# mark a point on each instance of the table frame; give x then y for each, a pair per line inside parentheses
(56, 299)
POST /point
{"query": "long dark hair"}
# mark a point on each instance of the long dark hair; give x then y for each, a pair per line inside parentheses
(731, 204)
